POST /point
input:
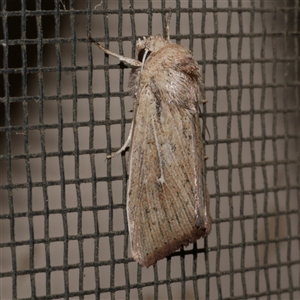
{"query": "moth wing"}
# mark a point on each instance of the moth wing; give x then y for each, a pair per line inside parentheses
(167, 196)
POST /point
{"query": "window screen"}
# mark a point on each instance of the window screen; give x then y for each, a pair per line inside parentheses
(64, 106)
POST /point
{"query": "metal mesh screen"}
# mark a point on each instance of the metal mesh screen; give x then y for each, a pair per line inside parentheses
(64, 105)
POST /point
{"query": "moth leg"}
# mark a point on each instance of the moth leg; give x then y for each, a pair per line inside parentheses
(128, 61)
(125, 144)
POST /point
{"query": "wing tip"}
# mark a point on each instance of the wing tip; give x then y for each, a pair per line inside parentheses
(158, 253)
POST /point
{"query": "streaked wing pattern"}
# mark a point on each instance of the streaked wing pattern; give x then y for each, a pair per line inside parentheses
(164, 161)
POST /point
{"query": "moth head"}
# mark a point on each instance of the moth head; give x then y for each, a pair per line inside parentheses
(149, 45)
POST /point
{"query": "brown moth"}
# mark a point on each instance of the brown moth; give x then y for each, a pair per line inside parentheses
(167, 197)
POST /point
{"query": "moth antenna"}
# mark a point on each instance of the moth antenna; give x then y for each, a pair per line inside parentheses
(167, 24)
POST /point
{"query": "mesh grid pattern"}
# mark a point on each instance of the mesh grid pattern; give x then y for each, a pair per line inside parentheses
(64, 105)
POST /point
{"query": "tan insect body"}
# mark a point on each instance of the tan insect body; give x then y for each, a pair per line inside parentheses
(167, 197)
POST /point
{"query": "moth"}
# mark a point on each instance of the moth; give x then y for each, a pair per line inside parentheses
(167, 197)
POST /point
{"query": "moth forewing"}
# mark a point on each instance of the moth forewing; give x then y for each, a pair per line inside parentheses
(167, 198)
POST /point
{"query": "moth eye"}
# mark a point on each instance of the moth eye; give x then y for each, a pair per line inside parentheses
(141, 55)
